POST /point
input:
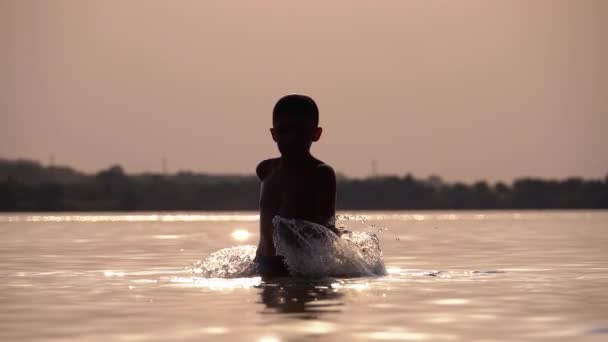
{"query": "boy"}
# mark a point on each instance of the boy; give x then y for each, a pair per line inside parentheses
(295, 185)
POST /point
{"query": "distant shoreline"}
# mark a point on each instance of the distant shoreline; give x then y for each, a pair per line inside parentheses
(27, 186)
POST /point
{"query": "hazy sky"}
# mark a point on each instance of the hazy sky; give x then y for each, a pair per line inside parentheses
(463, 89)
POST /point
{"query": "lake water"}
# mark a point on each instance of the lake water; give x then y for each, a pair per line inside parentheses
(452, 276)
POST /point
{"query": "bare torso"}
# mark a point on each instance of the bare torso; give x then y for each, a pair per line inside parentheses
(306, 191)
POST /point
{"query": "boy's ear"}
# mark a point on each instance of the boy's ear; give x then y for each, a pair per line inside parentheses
(274, 134)
(316, 135)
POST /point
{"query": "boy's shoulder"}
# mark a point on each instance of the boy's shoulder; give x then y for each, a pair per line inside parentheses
(324, 173)
(265, 167)
(320, 170)
(323, 169)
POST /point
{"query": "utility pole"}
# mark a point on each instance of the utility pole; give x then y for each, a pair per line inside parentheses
(164, 166)
(374, 169)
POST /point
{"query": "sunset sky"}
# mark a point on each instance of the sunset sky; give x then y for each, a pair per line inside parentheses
(467, 90)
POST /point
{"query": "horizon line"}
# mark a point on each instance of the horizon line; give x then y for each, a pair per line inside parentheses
(433, 177)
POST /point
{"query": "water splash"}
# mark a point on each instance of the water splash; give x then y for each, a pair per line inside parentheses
(310, 250)
(232, 262)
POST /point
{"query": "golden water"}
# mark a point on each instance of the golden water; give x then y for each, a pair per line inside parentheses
(452, 276)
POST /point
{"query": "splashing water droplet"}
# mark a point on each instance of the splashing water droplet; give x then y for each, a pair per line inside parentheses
(309, 249)
(313, 250)
(232, 262)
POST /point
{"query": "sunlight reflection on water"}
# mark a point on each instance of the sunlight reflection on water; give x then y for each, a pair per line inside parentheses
(216, 283)
(187, 217)
(462, 276)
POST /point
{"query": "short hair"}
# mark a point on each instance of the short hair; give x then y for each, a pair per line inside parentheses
(296, 104)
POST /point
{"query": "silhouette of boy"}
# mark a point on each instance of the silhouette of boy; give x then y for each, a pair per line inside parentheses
(295, 185)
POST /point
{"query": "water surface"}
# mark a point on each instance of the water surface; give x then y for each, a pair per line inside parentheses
(452, 276)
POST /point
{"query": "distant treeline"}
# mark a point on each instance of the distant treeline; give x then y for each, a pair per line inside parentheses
(28, 186)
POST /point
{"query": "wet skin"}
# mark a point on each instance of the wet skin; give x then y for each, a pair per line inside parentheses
(296, 185)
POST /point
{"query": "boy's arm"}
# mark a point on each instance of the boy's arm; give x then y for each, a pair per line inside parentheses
(325, 206)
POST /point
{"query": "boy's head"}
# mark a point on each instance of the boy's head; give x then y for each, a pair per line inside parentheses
(295, 125)
(296, 105)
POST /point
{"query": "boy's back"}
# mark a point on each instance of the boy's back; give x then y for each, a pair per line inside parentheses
(296, 185)
(306, 191)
